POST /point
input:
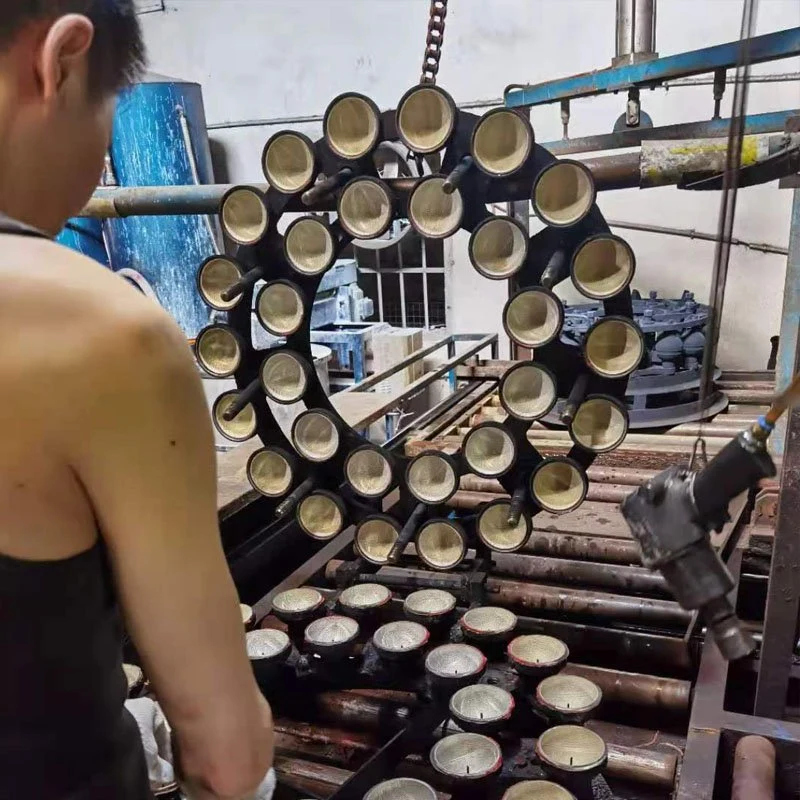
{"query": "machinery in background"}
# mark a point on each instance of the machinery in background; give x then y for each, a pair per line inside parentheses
(665, 389)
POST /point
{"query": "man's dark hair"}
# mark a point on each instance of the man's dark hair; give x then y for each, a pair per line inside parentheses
(117, 55)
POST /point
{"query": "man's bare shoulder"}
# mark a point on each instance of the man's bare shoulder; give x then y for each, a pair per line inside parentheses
(79, 308)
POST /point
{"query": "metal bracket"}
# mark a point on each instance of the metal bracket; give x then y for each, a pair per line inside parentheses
(791, 181)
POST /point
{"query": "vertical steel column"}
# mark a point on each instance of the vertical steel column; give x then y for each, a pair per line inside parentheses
(783, 591)
(636, 31)
(790, 320)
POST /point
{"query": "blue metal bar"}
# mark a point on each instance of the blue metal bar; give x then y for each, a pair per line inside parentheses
(790, 321)
(769, 47)
(772, 122)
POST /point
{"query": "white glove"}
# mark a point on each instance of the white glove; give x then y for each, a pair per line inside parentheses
(156, 740)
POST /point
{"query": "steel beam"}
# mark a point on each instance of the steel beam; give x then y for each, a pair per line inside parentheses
(769, 47)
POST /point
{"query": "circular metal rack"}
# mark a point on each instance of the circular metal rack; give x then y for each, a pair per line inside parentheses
(481, 158)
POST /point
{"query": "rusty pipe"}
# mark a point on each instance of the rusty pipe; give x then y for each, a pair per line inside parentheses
(472, 499)
(592, 548)
(306, 777)
(536, 597)
(584, 573)
(626, 763)
(754, 769)
(348, 709)
(635, 689)
(602, 605)
(341, 747)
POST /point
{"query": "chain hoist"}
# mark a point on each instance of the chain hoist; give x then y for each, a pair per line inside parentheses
(434, 42)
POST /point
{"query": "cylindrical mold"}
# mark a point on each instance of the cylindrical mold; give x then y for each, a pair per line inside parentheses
(537, 790)
(528, 391)
(430, 607)
(613, 347)
(487, 624)
(452, 666)
(298, 605)
(216, 276)
(563, 193)
(489, 450)
(218, 349)
(495, 530)
(559, 485)
(267, 649)
(160, 139)
(364, 600)
(244, 215)
(441, 544)
(321, 515)
(498, 248)
(368, 471)
(401, 640)
(572, 756)
(375, 537)
(501, 142)
(433, 212)
(603, 266)
(426, 119)
(466, 758)
(401, 789)
(533, 317)
(432, 478)
(583, 573)
(309, 246)
(636, 31)
(239, 429)
(248, 616)
(289, 162)
(568, 699)
(284, 377)
(482, 708)
(536, 656)
(600, 424)
(365, 208)
(271, 471)
(332, 638)
(352, 126)
(754, 769)
(280, 308)
(315, 435)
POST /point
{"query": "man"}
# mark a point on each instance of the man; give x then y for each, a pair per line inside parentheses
(107, 474)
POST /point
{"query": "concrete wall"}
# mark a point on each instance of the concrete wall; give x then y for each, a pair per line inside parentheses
(267, 59)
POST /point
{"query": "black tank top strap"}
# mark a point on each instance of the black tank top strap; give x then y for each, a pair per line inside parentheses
(11, 226)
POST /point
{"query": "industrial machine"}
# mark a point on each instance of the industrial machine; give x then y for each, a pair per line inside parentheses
(516, 646)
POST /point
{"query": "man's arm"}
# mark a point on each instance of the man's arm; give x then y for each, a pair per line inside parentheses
(147, 463)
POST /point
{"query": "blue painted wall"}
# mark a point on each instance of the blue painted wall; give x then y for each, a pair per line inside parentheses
(149, 149)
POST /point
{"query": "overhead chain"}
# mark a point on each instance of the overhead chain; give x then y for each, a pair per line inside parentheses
(434, 42)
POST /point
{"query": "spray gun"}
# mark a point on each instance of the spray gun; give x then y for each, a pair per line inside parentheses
(672, 515)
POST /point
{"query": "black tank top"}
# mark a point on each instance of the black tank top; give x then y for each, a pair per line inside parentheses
(64, 731)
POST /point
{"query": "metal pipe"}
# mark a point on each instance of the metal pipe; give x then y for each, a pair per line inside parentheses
(598, 605)
(537, 597)
(352, 710)
(636, 31)
(592, 548)
(625, 763)
(773, 77)
(772, 122)
(584, 573)
(754, 769)
(308, 777)
(324, 744)
(691, 233)
(602, 494)
(635, 689)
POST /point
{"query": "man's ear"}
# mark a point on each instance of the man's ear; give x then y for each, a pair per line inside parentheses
(65, 45)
